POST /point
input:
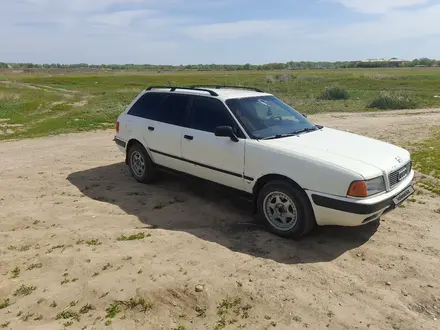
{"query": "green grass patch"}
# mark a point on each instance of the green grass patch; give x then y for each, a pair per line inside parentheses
(33, 105)
(433, 187)
(426, 156)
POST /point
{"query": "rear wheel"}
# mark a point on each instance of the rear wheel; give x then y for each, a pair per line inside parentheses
(285, 209)
(141, 166)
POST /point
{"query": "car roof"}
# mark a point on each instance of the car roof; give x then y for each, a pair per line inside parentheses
(223, 93)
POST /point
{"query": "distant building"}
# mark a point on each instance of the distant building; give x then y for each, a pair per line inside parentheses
(373, 60)
(392, 61)
(397, 61)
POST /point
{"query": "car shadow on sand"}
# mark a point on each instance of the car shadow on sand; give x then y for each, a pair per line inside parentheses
(202, 209)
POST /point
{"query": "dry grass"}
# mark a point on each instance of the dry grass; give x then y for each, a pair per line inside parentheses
(393, 100)
(6, 96)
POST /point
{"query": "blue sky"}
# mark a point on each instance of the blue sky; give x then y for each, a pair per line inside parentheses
(216, 31)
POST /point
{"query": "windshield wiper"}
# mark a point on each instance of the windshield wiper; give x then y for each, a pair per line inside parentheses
(279, 136)
(305, 130)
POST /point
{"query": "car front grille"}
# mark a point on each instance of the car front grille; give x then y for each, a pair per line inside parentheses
(398, 175)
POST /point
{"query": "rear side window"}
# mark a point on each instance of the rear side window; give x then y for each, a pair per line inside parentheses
(209, 113)
(146, 105)
(173, 110)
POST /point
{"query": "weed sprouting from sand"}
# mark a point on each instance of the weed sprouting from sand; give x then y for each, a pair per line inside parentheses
(93, 242)
(55, 247)
(107, 266)
(21, 248)
(33, 266)
(113, 309)
(133, 237)
(15, 272)
(27, 316)
(86, 308)
(24, 290)
(201, 311)
(67, 314)
(133, 303)
(230, 308)
(5, 304)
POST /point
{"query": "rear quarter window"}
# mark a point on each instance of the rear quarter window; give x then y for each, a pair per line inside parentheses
(173, 110)
(146, 105)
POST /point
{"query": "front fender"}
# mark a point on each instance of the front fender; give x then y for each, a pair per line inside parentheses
(308, 172)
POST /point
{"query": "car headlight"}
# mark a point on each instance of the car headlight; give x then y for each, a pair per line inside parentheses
(366, 188)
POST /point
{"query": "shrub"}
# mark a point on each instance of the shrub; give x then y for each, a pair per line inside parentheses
(335, 93)
(283, 78)
(280, 78)
(393, 101)
(269, 79)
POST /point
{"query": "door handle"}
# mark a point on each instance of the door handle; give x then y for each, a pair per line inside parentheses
(150, 128)
(188, 137)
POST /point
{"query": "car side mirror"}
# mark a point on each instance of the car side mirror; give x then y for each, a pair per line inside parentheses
(226, 131)
(304, 114)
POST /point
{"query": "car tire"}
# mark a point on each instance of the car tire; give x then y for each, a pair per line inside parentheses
(141, 166)
(285, 209)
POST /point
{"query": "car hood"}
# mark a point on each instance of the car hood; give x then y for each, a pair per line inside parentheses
(354, 152)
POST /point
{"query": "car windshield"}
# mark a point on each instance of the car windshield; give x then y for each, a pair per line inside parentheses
(268, 117)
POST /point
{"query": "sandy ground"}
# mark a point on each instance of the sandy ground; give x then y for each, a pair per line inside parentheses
(203, 263)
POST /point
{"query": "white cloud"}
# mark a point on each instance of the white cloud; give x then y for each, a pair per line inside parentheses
(394, 26)
(153, 31)
(378, 6)
(80, 5)
(246, 29)
(121, 18)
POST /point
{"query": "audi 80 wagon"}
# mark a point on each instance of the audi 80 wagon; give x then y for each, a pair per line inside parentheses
(299, 174)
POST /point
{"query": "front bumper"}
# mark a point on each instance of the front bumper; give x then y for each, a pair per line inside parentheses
(340, 211)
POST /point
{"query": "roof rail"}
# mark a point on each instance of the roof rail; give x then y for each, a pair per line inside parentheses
(173, 88)
(230, 86)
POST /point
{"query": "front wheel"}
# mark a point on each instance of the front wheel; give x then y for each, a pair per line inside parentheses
(285, 209)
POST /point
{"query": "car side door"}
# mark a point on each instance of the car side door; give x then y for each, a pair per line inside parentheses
(211, 157)
(163, 132)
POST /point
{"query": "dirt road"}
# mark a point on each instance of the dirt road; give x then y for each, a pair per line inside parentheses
(68, 207)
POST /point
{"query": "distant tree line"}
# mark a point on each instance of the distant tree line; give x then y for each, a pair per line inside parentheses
(423, 62)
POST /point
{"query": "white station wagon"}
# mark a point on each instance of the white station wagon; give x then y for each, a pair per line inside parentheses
(298, 174)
